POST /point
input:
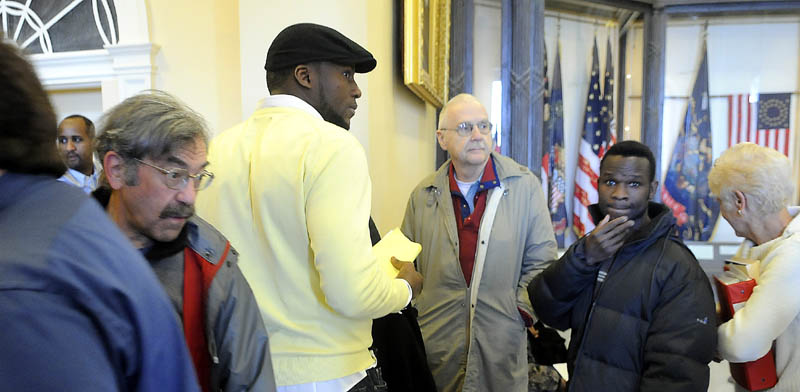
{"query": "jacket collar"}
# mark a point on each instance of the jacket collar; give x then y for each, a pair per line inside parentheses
(661, 223)
(81, 179)
(794, 224)
(750, 250)
(488, 179)
(504, 166)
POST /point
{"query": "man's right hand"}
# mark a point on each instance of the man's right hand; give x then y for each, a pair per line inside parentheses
(409, 274)
(604, 241)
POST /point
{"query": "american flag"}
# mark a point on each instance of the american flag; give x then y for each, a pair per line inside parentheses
(764, 122)
(594, 144)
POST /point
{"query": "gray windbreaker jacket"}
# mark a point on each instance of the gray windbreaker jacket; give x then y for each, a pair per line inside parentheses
(237, 340)
(235, 333)
(475, 336)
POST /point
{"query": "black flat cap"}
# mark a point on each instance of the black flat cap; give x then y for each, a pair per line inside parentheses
(308, 42)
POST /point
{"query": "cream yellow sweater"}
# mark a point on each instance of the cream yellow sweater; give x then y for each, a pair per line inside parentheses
(292, 193)
(773, 310)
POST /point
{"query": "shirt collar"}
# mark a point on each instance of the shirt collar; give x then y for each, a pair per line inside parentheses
(290, 101)
(81, 180)
(80, 177)
(488, 178)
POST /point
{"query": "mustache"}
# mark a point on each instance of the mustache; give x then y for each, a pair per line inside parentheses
(179, 210)
(477, 144)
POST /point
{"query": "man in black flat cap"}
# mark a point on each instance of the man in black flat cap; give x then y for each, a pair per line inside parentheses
(293, 195)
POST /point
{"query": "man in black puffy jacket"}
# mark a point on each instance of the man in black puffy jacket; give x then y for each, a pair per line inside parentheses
(640, 307)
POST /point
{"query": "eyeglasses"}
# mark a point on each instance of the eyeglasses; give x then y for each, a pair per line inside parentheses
(465, 128)
(177, 178)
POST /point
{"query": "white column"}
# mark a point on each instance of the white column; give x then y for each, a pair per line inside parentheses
(133, 68)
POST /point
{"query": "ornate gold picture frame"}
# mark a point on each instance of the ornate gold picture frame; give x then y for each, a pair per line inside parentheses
(426, 48)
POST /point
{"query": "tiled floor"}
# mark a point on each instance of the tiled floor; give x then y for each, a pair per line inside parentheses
(720, 380)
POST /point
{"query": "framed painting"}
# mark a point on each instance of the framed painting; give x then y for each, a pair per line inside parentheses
(426, 48)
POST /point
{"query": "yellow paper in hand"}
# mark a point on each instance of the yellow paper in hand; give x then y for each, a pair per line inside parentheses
(394, 243)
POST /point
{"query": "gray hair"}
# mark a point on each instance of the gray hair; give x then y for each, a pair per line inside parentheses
(152, 125)
(761, 173)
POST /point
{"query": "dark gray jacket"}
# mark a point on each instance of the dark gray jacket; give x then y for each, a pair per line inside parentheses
(651, 326)
(237, 340)
(235, 333)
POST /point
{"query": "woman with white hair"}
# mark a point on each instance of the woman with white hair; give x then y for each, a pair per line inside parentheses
(754, 186)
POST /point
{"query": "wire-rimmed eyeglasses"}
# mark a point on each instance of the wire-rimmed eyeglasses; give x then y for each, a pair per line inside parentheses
(177, 178)
(465, 128)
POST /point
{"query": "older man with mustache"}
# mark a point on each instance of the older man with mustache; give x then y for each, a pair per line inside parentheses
(485, 232)
(154, 163)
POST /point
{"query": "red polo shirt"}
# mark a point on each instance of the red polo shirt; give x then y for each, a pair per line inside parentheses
(468, 223)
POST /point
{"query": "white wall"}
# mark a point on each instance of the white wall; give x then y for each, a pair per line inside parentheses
(86, 102)
(634, 68)
(486, 53)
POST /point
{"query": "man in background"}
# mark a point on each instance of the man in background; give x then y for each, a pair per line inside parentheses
(80, 308)
(75, 142)
(294, 195)
(639, 306)
(154, 164)
(485, 232)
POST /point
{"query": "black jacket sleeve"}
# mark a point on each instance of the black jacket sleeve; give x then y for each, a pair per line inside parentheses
(554, 292)
(682, 337)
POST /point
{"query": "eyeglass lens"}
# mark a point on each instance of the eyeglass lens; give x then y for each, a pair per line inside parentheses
(465, 128)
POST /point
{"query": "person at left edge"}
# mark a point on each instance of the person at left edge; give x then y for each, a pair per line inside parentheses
(80, 308)
(154, 164)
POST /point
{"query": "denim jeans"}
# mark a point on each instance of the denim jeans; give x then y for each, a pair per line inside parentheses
(373, 382)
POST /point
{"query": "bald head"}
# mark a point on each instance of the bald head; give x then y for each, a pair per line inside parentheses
(449, 117)
(466, 134)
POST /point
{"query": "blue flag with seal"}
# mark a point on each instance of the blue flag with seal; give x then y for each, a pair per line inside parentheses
(685, 189)
(555, 156)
